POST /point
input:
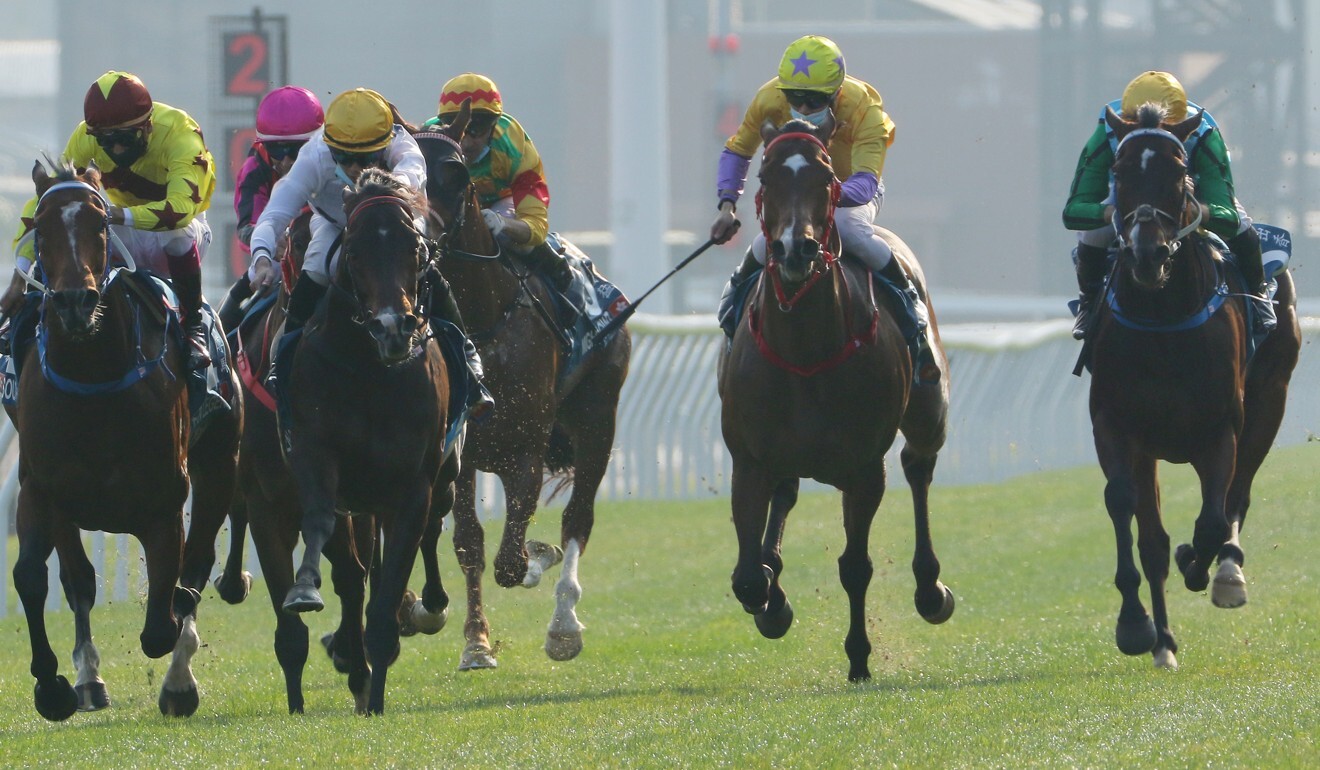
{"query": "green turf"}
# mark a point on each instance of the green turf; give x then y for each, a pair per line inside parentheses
(675, 674)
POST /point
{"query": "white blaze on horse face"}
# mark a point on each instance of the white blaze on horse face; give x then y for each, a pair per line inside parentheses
(68, 215)
(796, 163)
(1146, 155)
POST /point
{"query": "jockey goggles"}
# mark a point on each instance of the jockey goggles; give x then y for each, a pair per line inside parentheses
(364, 159)
(812, 101)
(280, 150)
(121, 136)
(479, 124)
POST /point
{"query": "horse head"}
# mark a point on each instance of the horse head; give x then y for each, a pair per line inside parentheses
(449, 184)
(797, 198)
(382, 259)
(71, 229)
(1154, 203)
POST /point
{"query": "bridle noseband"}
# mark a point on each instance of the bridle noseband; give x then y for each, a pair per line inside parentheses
(363, 313)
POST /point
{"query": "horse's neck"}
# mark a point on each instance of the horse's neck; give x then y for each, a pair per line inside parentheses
(483, 288)
(822, 319)
(1193, 281)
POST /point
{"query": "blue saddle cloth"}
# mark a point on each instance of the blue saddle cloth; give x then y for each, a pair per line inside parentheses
(210, 393)
(592, 302)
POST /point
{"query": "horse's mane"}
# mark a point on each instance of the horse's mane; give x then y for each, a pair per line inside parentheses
(1151, 115)
(62, 170)
(375, 182)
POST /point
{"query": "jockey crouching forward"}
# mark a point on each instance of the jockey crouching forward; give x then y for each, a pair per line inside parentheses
(158, 176)
(811, 83)
(1090, 207)
(360, 132)
(507, 172)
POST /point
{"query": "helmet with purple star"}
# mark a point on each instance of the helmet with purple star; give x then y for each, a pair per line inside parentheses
(811, 63)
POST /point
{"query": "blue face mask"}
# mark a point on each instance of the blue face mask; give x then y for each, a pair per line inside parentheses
(816, 118)
(481, 156)
(339, 172)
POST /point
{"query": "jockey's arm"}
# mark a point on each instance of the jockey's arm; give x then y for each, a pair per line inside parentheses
(1086, 206)
(1214, 185)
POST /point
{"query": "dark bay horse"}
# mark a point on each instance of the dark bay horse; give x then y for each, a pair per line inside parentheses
(370, 390)
(541, 418)
(104, 439)
(1171, 380)
(816, 384)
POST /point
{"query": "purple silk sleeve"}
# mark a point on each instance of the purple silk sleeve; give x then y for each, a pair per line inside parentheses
(859, 189)
(732, 174)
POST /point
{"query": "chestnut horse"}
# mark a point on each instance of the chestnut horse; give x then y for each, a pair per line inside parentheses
(541, 418)
(104, 444)
(369, 392)
(1171, 380)
(816, 384)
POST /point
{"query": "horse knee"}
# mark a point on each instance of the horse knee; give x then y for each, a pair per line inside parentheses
(855, 572)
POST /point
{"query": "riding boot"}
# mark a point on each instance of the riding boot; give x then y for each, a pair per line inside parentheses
(1246, 247)
(189, 288)
(443, 306)
(231, 309)
(727, 314)
(1092, 263)
(552, 265)
(307, 293)
(913, 322)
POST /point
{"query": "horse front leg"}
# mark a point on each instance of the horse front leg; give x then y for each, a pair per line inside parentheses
(55, 699)
(860, 501)
(522, 488)
(350, 550)
(752, 488)
(1215, 467)
(778, 615)
(934, 600)
(275, 533)
(1135, 631)
(470, 550)
(234, 582)
(317, 479)
(213, 470)
(79, 579)
(403, 535)
(1153, 548)
(429, 615)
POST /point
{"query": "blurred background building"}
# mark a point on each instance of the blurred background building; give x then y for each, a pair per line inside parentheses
(993, 100)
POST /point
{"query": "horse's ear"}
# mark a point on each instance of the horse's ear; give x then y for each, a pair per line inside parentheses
(1116, 123)
(1186, 127)
(459, 124)
(768, 131)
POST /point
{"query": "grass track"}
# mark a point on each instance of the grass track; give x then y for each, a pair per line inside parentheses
(675, 674)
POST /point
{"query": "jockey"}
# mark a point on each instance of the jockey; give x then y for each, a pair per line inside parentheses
(1090, 208)
(361, 130)
(507, 172)
(286, 118)
(812, 82)
(158, 177)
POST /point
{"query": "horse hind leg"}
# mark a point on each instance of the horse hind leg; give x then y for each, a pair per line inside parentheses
(470, 550)
(855, 569)
(1215, 469)
(79, 579)
(522, 488)
(178, 692)
(1153, 548)
(235, 583)
(933, 599)
(429, 613)
(778, 615)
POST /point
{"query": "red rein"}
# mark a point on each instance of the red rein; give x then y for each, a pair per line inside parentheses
(855, 340)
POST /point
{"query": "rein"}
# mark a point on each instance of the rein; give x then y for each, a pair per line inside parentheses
(362, 316)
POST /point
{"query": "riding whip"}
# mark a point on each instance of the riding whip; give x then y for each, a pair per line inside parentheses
(627, 313)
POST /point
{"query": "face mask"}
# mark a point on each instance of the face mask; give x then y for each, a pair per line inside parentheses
(480, 156)
(816, 118)
(339, 172)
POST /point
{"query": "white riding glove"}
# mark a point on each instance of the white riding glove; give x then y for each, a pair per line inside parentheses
(494, 221)
(261, 273)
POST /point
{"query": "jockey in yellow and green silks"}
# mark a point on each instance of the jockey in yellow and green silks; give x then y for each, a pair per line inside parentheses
(1090, 205)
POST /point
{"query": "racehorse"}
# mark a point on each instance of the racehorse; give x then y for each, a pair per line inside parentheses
(816, 383)
(542, 418)
(1171, 380)
(104, 444)
(369, 392)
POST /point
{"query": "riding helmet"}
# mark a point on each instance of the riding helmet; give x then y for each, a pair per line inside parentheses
(811, 63)
(359, 121)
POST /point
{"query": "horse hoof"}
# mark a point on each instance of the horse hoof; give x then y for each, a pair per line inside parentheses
(773, 625)
(234, 590)
(428, 623)
(1135, 638)
(561, 645)
(178, 704)
(1165, 659)
(56, 701)
(941, 613)
(406, 627)
(92, 696)
(540, 557)
(859, 673)
(477, 656)
(340, 664)
(1230, 588)
(303, 598)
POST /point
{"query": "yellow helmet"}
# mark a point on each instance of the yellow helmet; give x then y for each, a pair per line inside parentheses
(359, 121)
(812, 63)
(479, 88)
(1159, 87)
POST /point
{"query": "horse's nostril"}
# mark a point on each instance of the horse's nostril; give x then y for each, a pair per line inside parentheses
(810, 248)
(409, 324)
(777, 249)
(376, 328)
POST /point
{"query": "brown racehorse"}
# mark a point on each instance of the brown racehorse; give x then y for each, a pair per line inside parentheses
(541, 418)
(369, 392)
(816, 384)
(104, 438)
(1170, 380)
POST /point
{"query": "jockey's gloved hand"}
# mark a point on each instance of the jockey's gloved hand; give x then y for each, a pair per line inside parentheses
(494, 221)
(726, 224)
(262, 272)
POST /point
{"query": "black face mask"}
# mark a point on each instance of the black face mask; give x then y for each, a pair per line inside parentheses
(132, 146)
